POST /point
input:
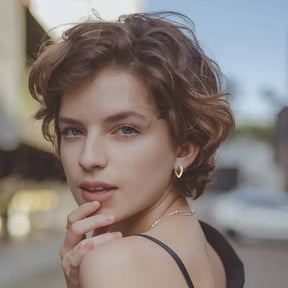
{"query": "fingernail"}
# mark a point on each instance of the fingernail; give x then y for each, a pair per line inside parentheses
(117, 234)
(113, 235)
(95, 203)
(109, 218)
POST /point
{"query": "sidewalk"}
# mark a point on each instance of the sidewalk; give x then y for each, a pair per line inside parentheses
(32, 263)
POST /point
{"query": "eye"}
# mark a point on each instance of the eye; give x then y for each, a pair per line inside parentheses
(72, 132)
(127, 130)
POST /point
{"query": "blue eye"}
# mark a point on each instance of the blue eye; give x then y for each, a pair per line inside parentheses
(72, 132)
(127, 130)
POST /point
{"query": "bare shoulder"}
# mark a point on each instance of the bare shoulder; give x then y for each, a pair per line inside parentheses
(135, 262)
(118, 263)
(130, 247)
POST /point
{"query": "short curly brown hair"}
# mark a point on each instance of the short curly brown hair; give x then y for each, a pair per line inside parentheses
(185, 84)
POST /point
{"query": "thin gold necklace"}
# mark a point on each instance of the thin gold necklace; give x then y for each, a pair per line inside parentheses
(176, 212)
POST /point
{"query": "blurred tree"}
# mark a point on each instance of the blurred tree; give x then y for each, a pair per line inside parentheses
(234, 91)
(270, 95)
(262, 133)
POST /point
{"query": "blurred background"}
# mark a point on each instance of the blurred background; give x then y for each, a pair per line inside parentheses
(247, 200)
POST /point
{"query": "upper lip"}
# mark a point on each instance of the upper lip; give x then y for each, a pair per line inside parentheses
(95, 184)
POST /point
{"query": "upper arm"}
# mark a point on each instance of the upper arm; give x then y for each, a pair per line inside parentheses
(111, 265)
(130, 262)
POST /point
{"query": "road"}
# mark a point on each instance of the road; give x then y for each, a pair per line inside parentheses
(266, 263)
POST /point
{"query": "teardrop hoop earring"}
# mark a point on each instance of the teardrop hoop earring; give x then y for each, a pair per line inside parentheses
(179, 171)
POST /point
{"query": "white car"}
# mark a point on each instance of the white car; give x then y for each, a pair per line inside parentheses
(250, 212)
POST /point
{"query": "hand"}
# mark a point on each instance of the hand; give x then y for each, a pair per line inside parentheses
(79, 222)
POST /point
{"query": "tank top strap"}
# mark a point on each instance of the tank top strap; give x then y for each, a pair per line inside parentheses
(173, 255)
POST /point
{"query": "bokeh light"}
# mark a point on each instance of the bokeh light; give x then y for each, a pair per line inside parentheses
(33, 201)
(24, 204)
(1, 225)
(19, 224)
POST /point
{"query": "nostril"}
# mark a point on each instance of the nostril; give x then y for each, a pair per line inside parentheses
(90, 160)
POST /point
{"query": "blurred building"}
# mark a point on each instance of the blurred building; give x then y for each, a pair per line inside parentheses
(26, 159)
(281, 142)
(22, 36)
(12, 59)
(247, 161)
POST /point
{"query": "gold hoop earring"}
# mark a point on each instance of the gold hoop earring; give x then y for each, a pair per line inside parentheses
(180, 172)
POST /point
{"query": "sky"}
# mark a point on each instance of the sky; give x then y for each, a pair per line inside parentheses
(247, 38)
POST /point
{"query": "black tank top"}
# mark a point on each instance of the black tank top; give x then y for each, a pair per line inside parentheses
(233, 266)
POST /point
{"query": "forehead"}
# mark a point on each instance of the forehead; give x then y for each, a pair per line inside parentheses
(110, 90)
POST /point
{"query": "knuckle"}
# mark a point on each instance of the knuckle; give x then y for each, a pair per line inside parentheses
(63, 265)
(74, 228)
(61, 252)
(82, 244)
(108, 236)
(82, 253)
(70, 219)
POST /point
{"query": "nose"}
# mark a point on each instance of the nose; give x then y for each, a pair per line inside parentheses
(93, 154)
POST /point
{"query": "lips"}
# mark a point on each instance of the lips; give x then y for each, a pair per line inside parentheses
(97, 191)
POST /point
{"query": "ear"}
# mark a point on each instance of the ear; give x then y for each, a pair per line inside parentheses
(186, 154)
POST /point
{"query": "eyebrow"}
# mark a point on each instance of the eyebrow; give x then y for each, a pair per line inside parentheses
(67, 120)
(124, 115)
(110, 119)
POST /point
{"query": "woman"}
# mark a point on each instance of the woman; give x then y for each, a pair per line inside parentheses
(136, 112)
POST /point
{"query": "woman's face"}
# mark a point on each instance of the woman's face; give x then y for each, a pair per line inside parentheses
(113, 148)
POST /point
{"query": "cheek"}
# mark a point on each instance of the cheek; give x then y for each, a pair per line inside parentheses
(68, 160)
(159, 165)
(152, 161)
(70, 164)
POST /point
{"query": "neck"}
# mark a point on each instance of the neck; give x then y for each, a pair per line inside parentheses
(141, 222)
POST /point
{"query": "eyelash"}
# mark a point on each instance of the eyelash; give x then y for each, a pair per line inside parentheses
(135, 131)
(67, 130)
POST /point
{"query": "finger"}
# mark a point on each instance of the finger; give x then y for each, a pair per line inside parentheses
(88, 245)
(80, 228)
(105, 237)
(75, 235)
(82, 251)
(81, 212)
(100, 230)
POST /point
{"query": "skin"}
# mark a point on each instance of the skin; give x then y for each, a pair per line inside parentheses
(110, 132)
